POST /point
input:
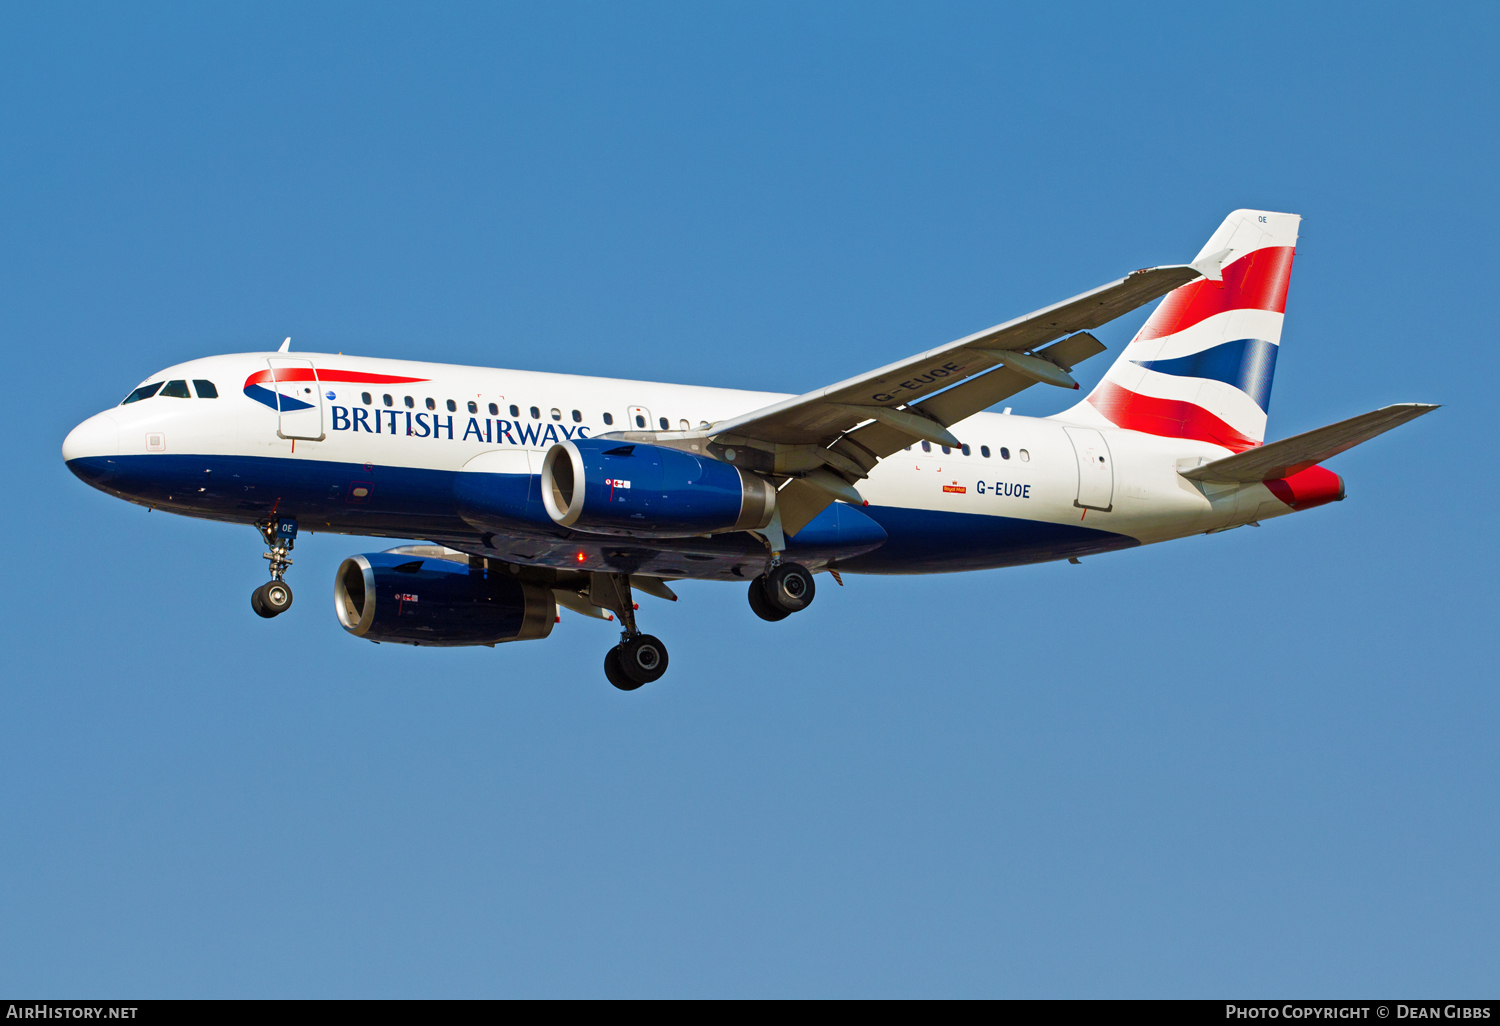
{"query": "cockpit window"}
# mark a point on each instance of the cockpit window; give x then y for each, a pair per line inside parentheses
(176, 390)
(144, 392)
(206, 389)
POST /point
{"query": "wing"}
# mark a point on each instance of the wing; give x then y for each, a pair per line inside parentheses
(818, 444)
(826, 440)
(821, 416)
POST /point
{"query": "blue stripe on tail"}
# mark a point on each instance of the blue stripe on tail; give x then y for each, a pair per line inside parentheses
(1247, 363)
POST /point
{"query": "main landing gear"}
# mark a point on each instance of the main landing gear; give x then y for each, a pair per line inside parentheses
(784, 589)
(638, 659)
(275, 596)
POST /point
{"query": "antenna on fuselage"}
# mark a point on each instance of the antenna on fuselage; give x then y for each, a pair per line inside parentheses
(286, 346)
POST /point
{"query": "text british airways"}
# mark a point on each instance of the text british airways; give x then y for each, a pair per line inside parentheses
(431, 425)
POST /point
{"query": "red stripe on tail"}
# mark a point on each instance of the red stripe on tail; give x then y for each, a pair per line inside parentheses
(1257, 281)
(1170, 418)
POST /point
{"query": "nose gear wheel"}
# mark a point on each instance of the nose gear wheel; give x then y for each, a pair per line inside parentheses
(271, 599)
(275, 596)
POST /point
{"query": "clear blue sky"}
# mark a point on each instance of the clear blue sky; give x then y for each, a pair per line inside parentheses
(1262, 763)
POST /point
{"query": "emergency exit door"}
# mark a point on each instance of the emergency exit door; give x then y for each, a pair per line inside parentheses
(1096, 472)
(299, 400)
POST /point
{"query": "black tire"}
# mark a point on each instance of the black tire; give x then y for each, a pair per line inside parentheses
(275, 597)
(761, 604)
(790, 588)
(643, 658)
(616, 673)
(258, 605)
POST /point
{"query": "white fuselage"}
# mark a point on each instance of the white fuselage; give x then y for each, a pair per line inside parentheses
(1027, 469)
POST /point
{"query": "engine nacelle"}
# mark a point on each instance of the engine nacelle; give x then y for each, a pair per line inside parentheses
(392, 596)
(632, 488)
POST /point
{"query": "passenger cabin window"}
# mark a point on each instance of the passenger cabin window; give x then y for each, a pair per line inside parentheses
(206, 389)
(410, 402)
(144, 392)
(474, 407)
(640, 421)
(577, 417)
(364, 397)
(609, 418)
(176, 390)
(494, 410)
(1004, 453)
(946, 450)
(387, 399)
(1025, 456)
(703, 425)
(663, 422)
(430, 404)
(453, 407)
(515, 411)
(984, 451)
(683, 425)
(536, 414)
(968, 451)
(926, 446)
(556, 413)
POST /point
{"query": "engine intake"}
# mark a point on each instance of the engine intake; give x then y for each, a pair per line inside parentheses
(632, 488)
(390, 596)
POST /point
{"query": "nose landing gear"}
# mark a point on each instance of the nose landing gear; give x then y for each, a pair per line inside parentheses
(638, 659)
(275, 596)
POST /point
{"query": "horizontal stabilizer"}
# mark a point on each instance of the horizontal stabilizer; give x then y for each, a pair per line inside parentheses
(1294, 455)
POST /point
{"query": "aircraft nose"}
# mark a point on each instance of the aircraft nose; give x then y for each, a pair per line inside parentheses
(90, 448)
(97, 436)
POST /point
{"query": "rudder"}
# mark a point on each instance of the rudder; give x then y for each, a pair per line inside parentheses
(1202, 365)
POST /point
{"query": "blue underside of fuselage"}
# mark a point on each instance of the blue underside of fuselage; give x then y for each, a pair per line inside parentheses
(925, 541)
(402, 502)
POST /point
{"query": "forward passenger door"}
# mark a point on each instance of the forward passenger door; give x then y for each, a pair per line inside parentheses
(299, 398)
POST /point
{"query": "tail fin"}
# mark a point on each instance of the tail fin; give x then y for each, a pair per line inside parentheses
(1201, 367)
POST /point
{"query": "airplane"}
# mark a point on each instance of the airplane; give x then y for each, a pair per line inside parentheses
(533, 491)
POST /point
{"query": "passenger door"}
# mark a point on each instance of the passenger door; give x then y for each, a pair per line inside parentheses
(639, 419)
(1096, 473)
(299, 398)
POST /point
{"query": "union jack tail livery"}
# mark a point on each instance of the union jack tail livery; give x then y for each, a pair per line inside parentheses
(1201, 367)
